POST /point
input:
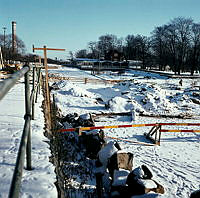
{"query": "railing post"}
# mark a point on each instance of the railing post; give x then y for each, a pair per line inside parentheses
(38, 82)
(28, 113)
(33, 101)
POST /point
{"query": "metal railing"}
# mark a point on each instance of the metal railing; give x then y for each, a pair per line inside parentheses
(25, 143)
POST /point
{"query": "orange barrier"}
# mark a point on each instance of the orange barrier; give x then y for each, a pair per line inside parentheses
(180, 124)
(156, 130)
(133, 125)
(106, 127)
(193, 131)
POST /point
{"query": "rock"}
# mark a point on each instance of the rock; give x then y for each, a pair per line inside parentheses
(99, 100)
(195, 194)
(119, 177)
(106, 152)
(93, 142)
(120, 160)
(85, 120)
(140, 181)
(119, 192)
(195, 100)
(70, 118)
(142, 172)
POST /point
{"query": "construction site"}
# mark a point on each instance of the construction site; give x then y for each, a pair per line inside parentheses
(106, 132)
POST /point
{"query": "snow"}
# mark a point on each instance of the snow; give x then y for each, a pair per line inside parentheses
(38, 182)
(119, 178)
(147, 183)
(106, 152)
(175, 163)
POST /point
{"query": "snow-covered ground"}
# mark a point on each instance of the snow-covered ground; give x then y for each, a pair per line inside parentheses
(38, 182)
(176, 162)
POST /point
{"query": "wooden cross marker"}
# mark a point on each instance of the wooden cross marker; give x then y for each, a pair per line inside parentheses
(46, 72)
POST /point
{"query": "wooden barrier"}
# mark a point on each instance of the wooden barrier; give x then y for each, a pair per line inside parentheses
(84, 80)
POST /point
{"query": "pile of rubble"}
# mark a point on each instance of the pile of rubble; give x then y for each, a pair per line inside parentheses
(114, 169)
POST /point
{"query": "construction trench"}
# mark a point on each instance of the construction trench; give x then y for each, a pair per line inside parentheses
(81, 166)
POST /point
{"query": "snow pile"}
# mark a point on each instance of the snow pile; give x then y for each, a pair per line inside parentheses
(119, 104)
(79, 92)
(72, 89)
(152, 98)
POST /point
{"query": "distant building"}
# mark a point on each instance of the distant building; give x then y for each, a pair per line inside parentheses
(114, 55)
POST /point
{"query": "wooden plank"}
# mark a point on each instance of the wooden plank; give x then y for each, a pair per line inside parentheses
(39, 48)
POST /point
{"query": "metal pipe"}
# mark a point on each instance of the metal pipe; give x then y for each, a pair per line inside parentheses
(28, 114)
(33, 91)
(16, 180)
(7, 84)
(38, 84)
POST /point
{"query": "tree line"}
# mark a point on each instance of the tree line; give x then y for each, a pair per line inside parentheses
(20, 53)
(176, 44)
(6, 46)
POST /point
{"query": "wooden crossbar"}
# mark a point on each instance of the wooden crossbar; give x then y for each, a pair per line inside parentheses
(131, 141)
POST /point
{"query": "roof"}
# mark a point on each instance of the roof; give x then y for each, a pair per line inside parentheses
(86, 59)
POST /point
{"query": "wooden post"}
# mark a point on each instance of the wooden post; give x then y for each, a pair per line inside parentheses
(46, 83)
(46, 77)
(159, 135)
(40, 62)
(154, 130)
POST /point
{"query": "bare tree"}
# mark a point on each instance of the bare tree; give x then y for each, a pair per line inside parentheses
(81, 53)
(8, 53)
(195, 47)
(158, 43)
(106, 43)
(93, 48)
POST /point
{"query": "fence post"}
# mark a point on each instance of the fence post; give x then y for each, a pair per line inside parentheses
(27, 114)
(159, 134)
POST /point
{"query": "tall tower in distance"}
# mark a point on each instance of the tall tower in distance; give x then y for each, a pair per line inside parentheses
(14, 42)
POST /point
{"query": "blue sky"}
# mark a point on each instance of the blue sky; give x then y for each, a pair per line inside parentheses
(71, 24)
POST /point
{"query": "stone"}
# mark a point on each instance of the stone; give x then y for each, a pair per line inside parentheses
(120, 160)
(106, 152)
(195, 194)
(140, 182)
(92, 142)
